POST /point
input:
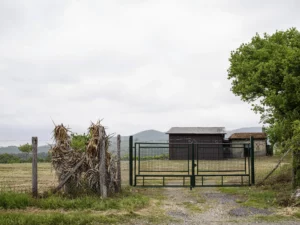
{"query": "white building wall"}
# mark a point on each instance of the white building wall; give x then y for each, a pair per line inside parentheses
(238, 151)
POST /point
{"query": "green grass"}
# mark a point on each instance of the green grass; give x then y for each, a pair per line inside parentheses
(297, 215)
(193, 207)
(124, 201)
(56, 218)
(21, 208)
(279, 218)
(131, 206)
(251, 196)
(272, 218)
(275, 191)
(11, 200)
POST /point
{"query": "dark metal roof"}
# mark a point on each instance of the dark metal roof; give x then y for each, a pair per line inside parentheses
(197, 130)
(258, 135)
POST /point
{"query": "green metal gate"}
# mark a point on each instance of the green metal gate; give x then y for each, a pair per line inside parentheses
(191, 164)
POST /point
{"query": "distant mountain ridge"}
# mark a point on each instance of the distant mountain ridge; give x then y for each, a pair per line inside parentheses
(143, 136)
(154, 135)
(150, 135)
(15, 150)
(243, 130)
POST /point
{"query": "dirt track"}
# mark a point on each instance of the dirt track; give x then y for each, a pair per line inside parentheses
(210, 206)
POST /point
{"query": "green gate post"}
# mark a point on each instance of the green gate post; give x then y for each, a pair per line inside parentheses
(193, 167)
(130, 160)
(252, 160)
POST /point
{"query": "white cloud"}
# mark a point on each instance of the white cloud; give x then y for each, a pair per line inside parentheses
(138, 64)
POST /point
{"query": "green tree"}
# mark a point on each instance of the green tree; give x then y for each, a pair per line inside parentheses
(79, 141)
(266, 73)
(26, 148)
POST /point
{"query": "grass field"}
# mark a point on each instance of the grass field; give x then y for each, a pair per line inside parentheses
(133, 205)
(17, 177)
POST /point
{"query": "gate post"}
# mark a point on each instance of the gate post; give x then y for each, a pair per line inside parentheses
(130, 160)
(119, 162)
(34, 167)
(252, 160)
(193, 167)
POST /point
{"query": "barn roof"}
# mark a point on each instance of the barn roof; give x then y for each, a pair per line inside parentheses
(197, 130)
(258, 135)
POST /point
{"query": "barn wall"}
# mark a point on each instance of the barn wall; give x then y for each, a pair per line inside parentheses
(201, 151)
(238, 150)
(196, 138)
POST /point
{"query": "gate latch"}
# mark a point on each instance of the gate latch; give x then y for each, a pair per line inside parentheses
(195, 164)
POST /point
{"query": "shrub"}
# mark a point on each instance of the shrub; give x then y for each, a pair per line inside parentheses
(11, 200)
(9, 158)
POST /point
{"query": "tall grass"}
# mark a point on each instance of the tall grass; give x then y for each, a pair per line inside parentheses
(124, 201)
(275, 191)
(55, 218)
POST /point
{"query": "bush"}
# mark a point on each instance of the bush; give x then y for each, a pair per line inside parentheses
(18, 158)
(11, 200)
(8, 158)
(79, 141)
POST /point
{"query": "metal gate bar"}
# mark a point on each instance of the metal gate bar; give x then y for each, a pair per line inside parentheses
(152, 161)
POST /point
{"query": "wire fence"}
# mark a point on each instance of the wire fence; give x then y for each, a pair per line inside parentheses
(265, 164)
(17, 175)
(16, 167)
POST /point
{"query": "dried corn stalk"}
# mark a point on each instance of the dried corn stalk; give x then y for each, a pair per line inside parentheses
(76, 168)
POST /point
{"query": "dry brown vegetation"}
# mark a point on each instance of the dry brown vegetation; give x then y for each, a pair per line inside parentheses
(93, 169)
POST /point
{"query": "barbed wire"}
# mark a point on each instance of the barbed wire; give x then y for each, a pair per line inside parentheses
(24, 140)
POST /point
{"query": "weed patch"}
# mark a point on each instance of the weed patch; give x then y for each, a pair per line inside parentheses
(193, 207)
(14, 218)
(11, 200)
(252, 196)
(272, 218)
(125, 201)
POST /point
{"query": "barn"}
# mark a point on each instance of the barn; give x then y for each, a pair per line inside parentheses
(178, 136)
(238, 140)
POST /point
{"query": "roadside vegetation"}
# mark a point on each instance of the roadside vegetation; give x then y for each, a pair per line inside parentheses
(274, 194)
(126, 201)
(130, 205)
(18, 158)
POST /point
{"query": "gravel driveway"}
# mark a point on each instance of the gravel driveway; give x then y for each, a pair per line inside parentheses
(210, 206)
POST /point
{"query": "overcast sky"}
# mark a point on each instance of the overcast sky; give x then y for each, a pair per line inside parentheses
(137, 64)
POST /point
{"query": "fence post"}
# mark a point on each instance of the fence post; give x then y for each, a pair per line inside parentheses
(252, 160)
(102, 164)
(34, 167)
(119, 162)
(130, 160)
(193, 166)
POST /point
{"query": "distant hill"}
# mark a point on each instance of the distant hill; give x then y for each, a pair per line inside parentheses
(143, 136)
(243, 130)
(150, 135)
(15, 150)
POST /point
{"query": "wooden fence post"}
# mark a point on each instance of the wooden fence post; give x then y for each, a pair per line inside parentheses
(34, 167)
(119, 162)
(252, 160)
(102, 164)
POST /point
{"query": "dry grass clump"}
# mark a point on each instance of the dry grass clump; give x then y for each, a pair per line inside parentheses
(86, 164)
